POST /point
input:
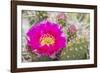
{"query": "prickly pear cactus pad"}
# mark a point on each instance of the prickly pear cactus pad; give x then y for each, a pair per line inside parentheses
(54, 36)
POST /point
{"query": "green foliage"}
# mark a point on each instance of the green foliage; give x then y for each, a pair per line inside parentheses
(62, 22)
(44, 58)
(32, 21)
(75, 50)
(34, 57)
(41, 15)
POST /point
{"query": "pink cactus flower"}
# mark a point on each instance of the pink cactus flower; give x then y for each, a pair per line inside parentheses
(61, 16)
(46, 38)
(72, 29)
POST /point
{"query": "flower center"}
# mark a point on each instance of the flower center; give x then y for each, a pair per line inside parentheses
(47, 39)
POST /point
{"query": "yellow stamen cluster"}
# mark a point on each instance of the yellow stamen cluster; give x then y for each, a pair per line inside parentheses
(47, 39)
